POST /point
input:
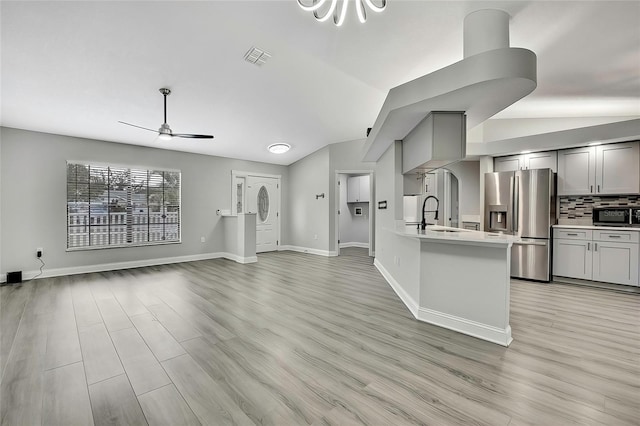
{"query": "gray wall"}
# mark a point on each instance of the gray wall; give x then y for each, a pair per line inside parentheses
(398, 256)
(33, 193)
(309, 217)
(468, 174)
(353, 229)
(315, 174)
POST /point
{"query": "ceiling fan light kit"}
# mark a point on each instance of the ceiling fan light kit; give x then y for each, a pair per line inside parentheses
(322, 12)
(164, 132)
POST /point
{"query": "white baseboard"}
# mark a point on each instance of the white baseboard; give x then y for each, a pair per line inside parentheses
(57, 272)
(441, 319)
(318, 252)
(465, 326)
(354, 244)
(240, 259)
(408, 301)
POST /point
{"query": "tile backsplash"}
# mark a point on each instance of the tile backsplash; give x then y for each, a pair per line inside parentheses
(578, 210)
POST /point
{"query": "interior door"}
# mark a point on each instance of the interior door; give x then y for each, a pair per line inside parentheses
(263, 199)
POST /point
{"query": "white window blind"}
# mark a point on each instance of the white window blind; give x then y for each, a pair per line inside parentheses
(110, 206)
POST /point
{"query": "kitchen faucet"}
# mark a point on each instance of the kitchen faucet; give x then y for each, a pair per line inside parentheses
(423, 224)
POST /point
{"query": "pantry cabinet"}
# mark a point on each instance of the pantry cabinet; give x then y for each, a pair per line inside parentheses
(604, 169)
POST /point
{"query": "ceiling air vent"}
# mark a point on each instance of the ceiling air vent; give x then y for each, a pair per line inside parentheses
(256, 56)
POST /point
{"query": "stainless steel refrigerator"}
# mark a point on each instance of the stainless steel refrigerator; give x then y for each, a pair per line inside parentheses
(522, 204)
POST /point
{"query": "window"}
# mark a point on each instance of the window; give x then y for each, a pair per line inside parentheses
(263, 204)
(111, 206)
(239, 197)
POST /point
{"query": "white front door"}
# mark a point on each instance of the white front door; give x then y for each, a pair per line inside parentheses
(263, 199)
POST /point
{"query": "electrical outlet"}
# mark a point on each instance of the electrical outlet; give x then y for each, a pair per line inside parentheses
(315, 237)
(39, 252)
(202, 239)
(396, 260)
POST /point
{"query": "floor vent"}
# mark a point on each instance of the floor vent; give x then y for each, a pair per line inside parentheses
(256, 56)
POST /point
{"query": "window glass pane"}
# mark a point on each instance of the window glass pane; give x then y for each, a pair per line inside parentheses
(239, 197)
(263, 204)
(156, 232)
(120, 205)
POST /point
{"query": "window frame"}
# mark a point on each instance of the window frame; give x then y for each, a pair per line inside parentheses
(129, 167)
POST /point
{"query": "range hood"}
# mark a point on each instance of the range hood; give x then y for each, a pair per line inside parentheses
(439, 139)
(491, 77)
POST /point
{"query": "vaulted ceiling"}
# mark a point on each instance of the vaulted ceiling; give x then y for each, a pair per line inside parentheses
(76, 68)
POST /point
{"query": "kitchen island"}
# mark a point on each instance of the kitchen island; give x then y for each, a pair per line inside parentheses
(463, 281)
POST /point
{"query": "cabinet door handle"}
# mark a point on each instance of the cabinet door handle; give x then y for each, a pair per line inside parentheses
(591, 189)
(573, 235)
(588, 246)
(595, 246)
(614, 236)
(598, 188)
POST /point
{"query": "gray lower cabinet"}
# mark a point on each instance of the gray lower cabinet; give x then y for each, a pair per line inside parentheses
(615, 262)
(610, 256)
(572, 259)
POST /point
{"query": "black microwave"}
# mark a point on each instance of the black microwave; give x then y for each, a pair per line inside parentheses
(612, 216)
(635, 216)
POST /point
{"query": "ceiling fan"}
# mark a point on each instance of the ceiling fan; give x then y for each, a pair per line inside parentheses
(164, 132)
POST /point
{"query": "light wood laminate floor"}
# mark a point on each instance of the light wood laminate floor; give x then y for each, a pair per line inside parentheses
(301, 339)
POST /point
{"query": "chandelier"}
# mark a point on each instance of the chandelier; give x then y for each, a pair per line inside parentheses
(322, 12)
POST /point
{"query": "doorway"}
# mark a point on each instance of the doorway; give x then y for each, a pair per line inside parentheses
(354, 211)
(444, 185)
(259, 194)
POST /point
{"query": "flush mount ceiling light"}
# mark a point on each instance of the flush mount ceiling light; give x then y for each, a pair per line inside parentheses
(323, 9)
(279, 148)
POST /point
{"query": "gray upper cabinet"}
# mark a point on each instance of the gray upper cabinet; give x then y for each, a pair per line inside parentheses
(511, 163)
(542, 160)
(602, 169)
(617, 168)
(358, 189)
(577, 171)
(536, 160)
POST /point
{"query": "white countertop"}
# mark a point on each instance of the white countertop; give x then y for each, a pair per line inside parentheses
(599, 228)
(439, 234)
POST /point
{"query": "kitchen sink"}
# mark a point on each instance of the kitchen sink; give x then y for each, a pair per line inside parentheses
(443, 230)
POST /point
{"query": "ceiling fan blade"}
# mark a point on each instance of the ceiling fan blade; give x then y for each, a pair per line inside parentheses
(165, 131)
(139, 127)
(185, 135)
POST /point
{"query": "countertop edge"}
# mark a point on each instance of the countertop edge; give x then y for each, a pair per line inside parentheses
(445, 239)
(598, 228)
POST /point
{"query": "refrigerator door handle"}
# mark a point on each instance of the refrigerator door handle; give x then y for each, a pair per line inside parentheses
(530, 243)
(509, 214)
(516, 202)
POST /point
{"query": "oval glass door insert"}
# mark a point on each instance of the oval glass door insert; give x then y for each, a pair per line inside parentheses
(263, 204)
